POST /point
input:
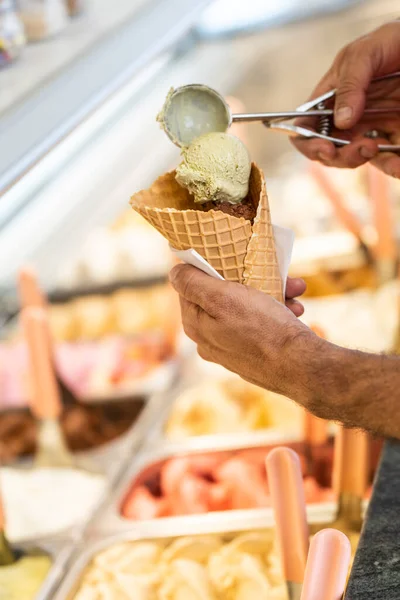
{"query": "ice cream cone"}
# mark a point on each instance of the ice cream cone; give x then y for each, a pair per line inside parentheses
(239, 250)
(261, 270)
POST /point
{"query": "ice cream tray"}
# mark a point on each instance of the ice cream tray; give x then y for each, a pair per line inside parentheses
(9, 305)
(158, 437)
(111, 459)
(226, 528)
(110, 520)
(60, 553)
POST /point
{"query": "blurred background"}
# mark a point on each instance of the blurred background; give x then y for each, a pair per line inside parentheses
(81, 82)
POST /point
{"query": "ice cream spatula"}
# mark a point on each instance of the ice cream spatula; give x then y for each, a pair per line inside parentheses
(287, 494)
(6, 554)
(327, 566)
(350, 476)
(31, 295)
(45, 399)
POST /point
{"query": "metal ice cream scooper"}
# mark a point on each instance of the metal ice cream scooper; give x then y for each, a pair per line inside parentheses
(193, 110)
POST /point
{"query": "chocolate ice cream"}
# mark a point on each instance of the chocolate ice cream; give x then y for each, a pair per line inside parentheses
(85, 427)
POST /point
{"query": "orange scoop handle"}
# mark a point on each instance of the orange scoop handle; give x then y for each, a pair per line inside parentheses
(29, 290)
(348, 220)
(45, 396)
(350, 465)
(315, 430)
(379, 193)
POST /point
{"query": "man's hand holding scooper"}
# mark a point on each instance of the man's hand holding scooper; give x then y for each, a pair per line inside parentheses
(253, 335)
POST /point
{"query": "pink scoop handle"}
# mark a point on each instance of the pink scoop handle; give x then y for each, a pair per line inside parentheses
(287, 494)
(327, 566)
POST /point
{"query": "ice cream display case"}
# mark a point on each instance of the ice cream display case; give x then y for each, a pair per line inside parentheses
(237, 553)
(187, 505)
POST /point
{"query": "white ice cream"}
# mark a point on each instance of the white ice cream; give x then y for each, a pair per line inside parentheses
(42, 502)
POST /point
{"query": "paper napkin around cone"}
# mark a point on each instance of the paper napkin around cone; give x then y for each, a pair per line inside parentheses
(238, 250)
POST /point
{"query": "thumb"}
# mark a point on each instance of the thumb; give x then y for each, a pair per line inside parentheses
(354, 79)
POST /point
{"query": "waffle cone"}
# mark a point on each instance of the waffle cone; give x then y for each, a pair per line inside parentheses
(238, 250)
(261, 270)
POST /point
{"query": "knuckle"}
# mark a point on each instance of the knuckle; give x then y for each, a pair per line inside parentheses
(348, 85)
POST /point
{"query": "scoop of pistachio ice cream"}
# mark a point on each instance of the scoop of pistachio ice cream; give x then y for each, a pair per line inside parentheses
(215, 167)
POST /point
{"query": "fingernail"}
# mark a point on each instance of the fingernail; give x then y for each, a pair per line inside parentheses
(367, 152)
(344, 114)
(324, 157)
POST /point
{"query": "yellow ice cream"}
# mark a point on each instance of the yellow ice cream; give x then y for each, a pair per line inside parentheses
(186, 580)
(215, 167)
(229, 405)
(247, 569)
(190, 568)
(23, 579)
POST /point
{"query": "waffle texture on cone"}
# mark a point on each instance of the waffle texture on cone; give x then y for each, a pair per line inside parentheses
(223, 240)
(261, 270)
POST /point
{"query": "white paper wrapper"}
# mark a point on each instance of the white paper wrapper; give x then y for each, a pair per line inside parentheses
(284, 240)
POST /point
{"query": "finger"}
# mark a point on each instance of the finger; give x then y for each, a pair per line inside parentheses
(192, 319)
(315, 148)
(296, 307)
(355, 154)
(295, 287)
(355, 74)
(389, 163)
(197, 287)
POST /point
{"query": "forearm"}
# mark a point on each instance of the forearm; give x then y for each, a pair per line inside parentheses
(359, 389)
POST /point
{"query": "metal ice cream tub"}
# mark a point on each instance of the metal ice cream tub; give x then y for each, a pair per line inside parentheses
(195, 528)
(59, 553)
(146, 470)
(209, 403)
(109, 460)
